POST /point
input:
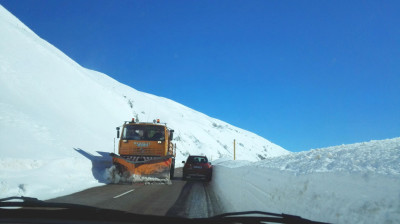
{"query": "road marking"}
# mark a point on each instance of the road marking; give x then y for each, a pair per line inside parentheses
(124, 193)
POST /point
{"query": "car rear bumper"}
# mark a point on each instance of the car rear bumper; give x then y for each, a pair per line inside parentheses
(197, 174)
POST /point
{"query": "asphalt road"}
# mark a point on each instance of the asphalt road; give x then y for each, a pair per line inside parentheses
(192, 199)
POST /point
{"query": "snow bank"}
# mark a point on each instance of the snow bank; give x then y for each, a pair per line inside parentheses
(47, 179)
(358, 183)
(381, 157)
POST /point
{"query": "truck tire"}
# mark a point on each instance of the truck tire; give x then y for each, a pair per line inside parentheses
(172, 173)
(172, 170)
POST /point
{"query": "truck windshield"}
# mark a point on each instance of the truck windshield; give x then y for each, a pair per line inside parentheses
(143, 133)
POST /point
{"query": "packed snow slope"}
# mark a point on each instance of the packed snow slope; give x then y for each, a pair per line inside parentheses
(58, 119)
(357, 183)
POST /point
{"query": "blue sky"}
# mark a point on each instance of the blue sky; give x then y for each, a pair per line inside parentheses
(303, 74)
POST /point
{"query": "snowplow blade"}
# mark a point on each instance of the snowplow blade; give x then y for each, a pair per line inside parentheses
(157, 168)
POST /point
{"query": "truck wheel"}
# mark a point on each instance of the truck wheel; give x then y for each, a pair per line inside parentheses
(172, 170)
(172, 173)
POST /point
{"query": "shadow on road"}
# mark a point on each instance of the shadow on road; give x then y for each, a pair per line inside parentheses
(99, 164)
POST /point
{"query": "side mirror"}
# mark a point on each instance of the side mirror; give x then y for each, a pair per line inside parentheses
(209, 163)
(183, 161)
(117, 132)
(171, 134)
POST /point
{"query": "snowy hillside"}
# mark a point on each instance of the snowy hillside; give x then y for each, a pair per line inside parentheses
(58, 117)
(357, 183)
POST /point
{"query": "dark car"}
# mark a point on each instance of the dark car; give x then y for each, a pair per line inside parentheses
(197, 167)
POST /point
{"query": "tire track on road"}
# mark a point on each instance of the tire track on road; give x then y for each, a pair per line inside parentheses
(184, 199)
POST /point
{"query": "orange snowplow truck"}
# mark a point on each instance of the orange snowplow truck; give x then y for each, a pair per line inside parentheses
(145, 149)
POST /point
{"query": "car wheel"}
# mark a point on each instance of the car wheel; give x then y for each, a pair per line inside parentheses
(184, 176)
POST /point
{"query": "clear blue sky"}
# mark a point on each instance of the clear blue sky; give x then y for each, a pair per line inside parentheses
(302, 74)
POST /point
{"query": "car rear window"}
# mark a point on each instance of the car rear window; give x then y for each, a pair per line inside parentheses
(196, 159)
